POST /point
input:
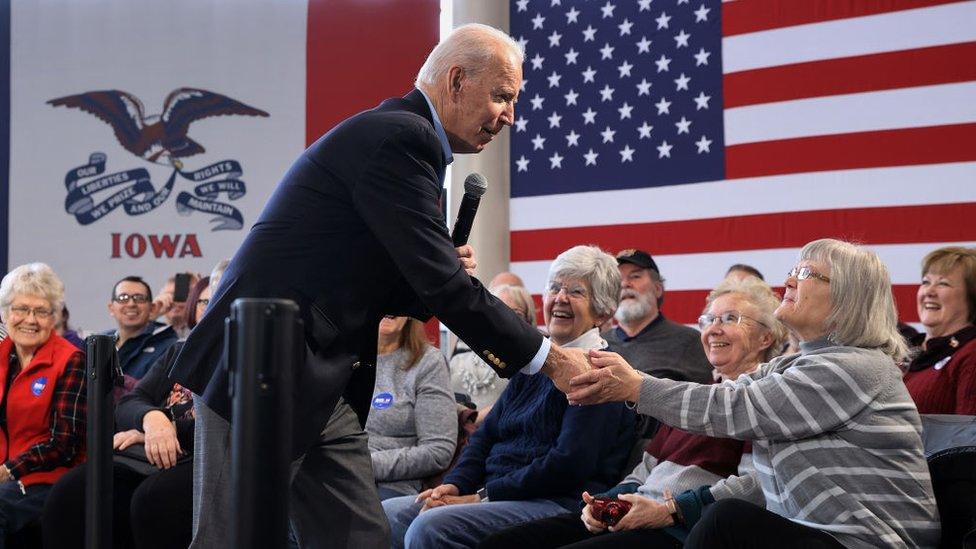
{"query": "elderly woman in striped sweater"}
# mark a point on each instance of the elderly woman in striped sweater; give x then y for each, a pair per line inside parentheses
(836, 436)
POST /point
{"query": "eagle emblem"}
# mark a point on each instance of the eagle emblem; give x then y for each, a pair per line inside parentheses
(162, 138)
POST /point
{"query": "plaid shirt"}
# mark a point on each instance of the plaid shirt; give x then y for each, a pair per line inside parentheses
(68, 422)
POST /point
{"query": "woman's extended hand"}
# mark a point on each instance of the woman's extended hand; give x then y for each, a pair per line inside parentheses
(612, 379)
(162, 446)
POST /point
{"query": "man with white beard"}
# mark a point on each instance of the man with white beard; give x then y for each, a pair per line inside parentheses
(647, 340)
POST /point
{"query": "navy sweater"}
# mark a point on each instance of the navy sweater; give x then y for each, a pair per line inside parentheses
(534, 445)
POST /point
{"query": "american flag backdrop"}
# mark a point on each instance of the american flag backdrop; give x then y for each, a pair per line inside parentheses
(712, 133)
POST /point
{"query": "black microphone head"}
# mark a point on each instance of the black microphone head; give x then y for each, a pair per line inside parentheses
(475, 184)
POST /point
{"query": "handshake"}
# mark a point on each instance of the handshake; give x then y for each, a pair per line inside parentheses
(592, 377)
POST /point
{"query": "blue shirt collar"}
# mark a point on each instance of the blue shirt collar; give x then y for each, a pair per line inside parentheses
(439, 128)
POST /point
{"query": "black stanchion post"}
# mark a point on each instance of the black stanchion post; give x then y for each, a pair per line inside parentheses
(264, 345)
(103, 373)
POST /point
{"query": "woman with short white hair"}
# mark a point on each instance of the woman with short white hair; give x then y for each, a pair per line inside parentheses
(42, 395)
(836, 437)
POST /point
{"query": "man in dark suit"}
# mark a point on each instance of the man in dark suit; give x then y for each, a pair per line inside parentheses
(352, 233)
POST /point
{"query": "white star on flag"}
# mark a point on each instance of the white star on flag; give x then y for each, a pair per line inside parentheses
(554, 79)
(555, 161)
(607, 51)
(554, 39)
(681, 39)
(571, 97)
(625, 27)
(645, 130)
(571, 56)
(589, 74)
(644, 46)
(681, 82)
(701, 14)
(589, 117)
(523, 164)
(626, 154)
(607, 10)
(590, 158)
(537, 102)
(520, 124)
(701, 58)
(608, 135)
(537, 61)
(703, 144)
(572, 15)
(664, 150)
(537, 22)
(644, 88)
(663, 63)
(624, 69)
(554, 120)
(663, 106)
(538, 142)
(606, 94)
(572, 138)
(701, 102)
(589, 33)
(662, 21)
(683, 125)
(624, 111)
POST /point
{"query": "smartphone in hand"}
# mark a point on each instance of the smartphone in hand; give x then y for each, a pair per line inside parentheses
(181, 287)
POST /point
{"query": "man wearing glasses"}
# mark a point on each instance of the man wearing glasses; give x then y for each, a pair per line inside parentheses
(140, 340)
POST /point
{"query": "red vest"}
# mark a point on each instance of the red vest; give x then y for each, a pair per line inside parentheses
(31, 401)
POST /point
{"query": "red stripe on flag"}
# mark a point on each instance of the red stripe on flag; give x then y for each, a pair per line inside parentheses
(758, 15)
(883, 71)
(685, 306)
(360, 53)
(901, 147)
(889, 225)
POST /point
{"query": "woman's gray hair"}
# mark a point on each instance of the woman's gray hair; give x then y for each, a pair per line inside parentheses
(522, 298)
(596, 267)
(473, 46)
(864, 313)
(764, 299)
(33, 279)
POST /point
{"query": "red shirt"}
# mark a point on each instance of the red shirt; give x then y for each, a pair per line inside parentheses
(949, 385)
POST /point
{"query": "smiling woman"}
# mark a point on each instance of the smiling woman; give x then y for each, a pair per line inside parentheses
(838, 450)
(942, 377)
(42, 395)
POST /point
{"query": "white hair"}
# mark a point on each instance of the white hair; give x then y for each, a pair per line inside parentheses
(33, 279)
(473, 47)
(595, 266)
(863, 312)
(764, 299)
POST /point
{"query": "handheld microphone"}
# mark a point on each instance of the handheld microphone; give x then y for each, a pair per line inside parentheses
(475, 185)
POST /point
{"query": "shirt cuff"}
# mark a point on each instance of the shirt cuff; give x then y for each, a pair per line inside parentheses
(533, 367)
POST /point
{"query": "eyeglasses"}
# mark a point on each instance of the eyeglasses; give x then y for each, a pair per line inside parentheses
(803, 273)
(203, 302)
(725, 319)
(138, 299)
(39, 313)
(574, 292)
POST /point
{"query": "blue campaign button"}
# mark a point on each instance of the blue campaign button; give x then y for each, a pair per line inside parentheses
(38, 386)
(382, 401)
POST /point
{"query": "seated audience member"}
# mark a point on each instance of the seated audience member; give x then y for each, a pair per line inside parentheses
(412, 425)
(652, 343)
(470, 374)
(942, 376)
(741, 270)
(153, 466)
(506, 278)
(534, 454)
(836, 436)
(66, 332)
(42, 406)
(140, 340)
(738, 333)
(174, 314)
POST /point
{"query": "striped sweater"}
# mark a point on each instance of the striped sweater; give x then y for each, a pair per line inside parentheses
(836, 441)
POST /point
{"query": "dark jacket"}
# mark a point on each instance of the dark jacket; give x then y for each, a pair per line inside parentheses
(353, 232)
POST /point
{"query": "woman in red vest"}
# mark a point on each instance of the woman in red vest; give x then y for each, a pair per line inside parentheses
(42, 396)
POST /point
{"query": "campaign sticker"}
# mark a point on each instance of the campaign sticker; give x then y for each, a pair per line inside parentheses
(38, 386)
(382, 401)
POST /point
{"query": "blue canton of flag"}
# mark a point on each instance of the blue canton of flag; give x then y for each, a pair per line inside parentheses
(617, 95)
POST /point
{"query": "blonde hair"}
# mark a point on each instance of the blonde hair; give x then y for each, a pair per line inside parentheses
(942, 260)
(864, 313)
